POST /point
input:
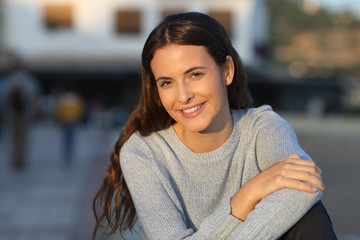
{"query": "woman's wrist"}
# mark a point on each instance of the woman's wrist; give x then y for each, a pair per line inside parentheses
(243, 202)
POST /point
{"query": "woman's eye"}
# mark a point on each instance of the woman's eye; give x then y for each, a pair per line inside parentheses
(197, 74)
(165, 83)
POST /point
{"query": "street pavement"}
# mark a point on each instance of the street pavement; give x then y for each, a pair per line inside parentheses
(51, 201)
(334, 144)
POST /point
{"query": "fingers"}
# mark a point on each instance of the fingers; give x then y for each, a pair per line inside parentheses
(299, 185)
(303, 166)
(302, 177)
(299, 172)
(294, 160)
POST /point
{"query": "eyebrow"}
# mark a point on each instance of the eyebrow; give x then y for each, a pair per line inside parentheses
(186, 72)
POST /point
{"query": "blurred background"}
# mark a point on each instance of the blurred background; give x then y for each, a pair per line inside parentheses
(70, 75)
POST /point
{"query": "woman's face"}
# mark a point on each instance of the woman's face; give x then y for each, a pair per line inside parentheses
(192, 87)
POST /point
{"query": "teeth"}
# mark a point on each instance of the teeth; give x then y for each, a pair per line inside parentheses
(193, 109)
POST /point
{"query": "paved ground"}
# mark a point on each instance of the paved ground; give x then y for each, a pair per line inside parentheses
(334, 143)
(47, 201)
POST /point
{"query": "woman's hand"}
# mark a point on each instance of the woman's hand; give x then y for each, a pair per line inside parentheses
(290, 172)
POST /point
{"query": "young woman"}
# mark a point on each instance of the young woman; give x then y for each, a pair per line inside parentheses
(194, 161)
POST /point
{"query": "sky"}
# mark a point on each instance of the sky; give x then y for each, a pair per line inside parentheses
(335, 5)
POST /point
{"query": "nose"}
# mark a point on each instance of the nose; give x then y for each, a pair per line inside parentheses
(185, 94)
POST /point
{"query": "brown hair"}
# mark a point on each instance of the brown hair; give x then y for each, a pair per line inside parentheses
(112, 203)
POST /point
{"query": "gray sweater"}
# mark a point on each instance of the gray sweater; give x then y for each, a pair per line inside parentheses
(179, 194)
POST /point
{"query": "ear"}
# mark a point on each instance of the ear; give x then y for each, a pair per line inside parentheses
(229, 70)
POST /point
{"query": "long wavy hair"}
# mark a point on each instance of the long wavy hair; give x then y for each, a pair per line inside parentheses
(113, 207)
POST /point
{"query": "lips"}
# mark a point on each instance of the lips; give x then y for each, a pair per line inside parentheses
(192, 111)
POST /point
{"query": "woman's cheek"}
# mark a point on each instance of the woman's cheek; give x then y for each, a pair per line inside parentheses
(166, 98)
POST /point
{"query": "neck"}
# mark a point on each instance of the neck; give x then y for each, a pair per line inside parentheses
(202, 142)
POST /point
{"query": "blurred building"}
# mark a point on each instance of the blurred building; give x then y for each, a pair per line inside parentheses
(99, 43)
(88, 35)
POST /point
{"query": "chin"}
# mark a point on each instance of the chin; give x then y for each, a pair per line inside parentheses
(196, 128)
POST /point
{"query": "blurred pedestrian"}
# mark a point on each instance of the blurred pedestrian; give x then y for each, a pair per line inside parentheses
(2, 105)
(21, 94)
(69, 111)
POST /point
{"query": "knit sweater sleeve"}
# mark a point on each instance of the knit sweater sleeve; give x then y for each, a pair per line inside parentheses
(160, 214)
(278, 212)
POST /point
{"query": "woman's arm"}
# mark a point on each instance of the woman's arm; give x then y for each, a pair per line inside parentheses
(290, 172)
(284, 196)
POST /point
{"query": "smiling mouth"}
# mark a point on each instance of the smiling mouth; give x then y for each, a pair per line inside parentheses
(193, 109)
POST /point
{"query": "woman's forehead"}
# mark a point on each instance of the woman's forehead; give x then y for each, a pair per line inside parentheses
(182, 56)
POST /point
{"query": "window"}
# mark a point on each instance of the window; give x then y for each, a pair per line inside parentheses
(225, 18)
(128, 21)
(58, 16)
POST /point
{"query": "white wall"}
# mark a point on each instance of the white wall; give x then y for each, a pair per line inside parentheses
(93, 38)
